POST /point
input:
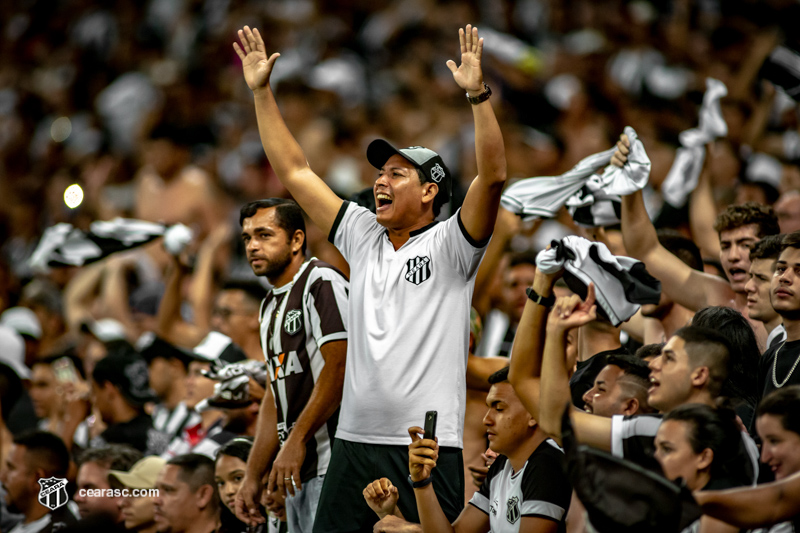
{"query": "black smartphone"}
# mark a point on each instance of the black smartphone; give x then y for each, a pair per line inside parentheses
(430, 425)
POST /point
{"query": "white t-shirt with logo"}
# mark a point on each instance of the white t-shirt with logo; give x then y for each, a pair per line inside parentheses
(409, 327)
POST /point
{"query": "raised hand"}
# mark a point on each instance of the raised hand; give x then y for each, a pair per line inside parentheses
(468, 74)
(255, 61)
(422, 455)
(571, 312)
(381, 496)
(620, 156)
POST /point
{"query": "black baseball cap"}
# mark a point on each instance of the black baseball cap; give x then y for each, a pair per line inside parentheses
(128, 372)
(427, 161)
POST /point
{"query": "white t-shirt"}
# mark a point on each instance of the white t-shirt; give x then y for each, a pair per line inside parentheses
(409, 327)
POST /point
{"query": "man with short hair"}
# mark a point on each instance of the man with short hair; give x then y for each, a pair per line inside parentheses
(168, 368)
(759, 305)
(304, 337)
(777, 367)
(94, 465)
(120, 389)
(138, 512)
(408, 276)
(235, 314)
(620, 388)
(36, 456)
(525, 489)
(188, 500)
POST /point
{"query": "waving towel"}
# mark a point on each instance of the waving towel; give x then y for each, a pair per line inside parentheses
(621, 283)
(581, 188)
(65, 245)
(682, 177)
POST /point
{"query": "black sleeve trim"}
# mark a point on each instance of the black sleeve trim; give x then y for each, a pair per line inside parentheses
(544, 517)
(338, 220)
(478, 508)
(465, 233)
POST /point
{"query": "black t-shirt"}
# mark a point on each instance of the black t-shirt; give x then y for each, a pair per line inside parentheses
(137, 432)
(788, 354)
(583, 378)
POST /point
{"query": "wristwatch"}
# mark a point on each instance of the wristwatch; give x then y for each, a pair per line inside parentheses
(539, 299)
(475, 100)
(419, 484)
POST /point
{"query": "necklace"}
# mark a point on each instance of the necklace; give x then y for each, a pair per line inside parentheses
(775, 366)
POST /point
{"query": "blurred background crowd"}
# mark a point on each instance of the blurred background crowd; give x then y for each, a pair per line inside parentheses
(143, 105)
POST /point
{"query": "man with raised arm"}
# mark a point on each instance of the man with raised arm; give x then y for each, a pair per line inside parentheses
(411, 285)
(739, 228)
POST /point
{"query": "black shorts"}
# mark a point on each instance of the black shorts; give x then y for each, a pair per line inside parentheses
(354, 465)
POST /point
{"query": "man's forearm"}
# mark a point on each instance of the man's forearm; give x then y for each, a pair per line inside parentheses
(754, 507)
(266, 445)
(283, 151)
(489, 147)
(526, 354)
(554, 383)
(638, 233)
(431, 516)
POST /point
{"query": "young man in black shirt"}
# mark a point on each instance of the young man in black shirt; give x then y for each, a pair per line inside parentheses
(778, 365)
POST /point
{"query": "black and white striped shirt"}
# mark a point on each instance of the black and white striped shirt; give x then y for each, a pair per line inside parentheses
(296, 321)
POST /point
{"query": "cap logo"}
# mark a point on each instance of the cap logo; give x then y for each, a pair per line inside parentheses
(137, 375)
(437, 173)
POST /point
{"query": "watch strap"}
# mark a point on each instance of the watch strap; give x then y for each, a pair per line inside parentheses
(475, 100)
(546, 301)
(420, 484)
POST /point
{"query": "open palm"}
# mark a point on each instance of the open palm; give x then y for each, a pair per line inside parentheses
(256, 63)
(468, 74)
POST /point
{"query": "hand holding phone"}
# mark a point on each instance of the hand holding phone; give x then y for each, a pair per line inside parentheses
(430, 425)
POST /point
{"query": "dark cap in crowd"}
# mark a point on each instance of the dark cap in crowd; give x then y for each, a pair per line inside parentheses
(127, 372)
(427, 161)
(152, 346)
(217, 347)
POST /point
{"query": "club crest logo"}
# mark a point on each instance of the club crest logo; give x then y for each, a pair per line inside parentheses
(512, 510)
(437, 173)
(419, 269)
(53, 492)
(292, 322)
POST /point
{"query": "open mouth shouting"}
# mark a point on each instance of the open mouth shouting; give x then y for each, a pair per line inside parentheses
(737, 274)
(382, 201)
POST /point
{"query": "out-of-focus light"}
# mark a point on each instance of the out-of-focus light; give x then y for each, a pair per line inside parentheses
(73, 196)
(61, 129)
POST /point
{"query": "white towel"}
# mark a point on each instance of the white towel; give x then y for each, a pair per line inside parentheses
(685, 172)
(581, 187)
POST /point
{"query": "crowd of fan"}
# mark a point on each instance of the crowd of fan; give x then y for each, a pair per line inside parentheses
(146, 370)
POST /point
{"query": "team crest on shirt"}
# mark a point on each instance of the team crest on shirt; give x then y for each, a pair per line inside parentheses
(512, 510)
(293, 321)
(419, 269)
(53, 492)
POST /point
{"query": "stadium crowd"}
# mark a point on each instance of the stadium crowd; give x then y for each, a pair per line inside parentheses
(567, 306)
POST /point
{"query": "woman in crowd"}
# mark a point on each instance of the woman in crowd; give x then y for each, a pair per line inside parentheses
(229, 472)
(697, 443)
(778, 425)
